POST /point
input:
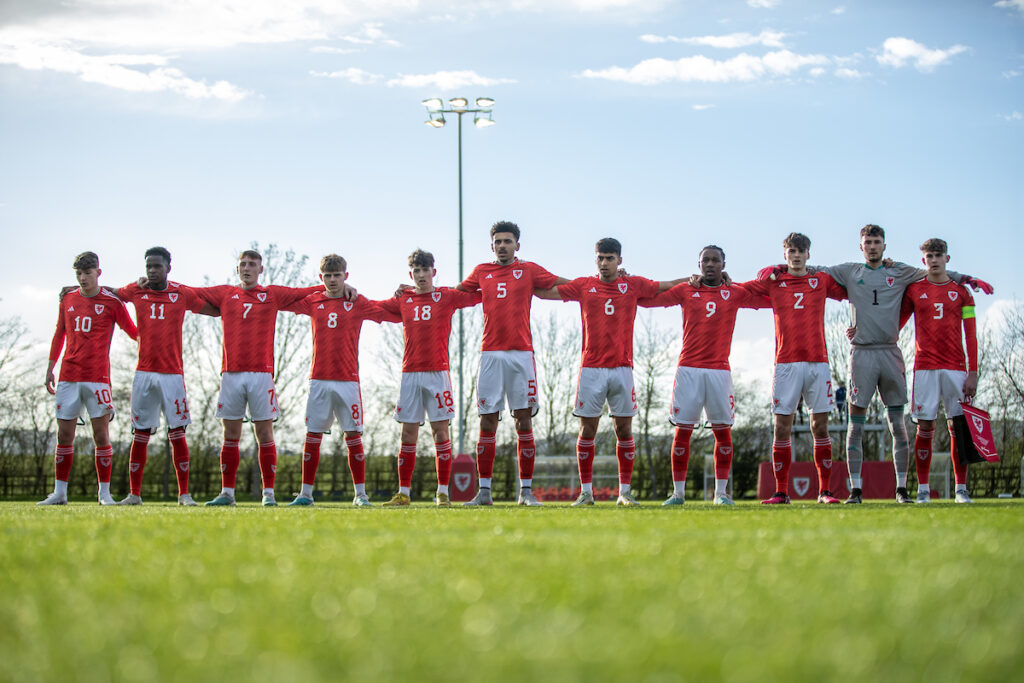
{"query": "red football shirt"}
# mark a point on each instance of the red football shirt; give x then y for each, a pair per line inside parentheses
(160, 316)
(608, 310)
(336, 324)
(799, 305)
(427, 325)
(249, 318)
(709, 319)
(941, 312)
(507, 295)
(87, 323)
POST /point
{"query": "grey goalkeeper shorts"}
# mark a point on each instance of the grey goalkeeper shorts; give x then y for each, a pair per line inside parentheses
(877, 368)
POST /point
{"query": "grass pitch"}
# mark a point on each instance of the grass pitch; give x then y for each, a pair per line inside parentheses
(333, 593)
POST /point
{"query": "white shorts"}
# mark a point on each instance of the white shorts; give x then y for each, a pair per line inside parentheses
(932, 385)
(333, 398)
(72, 397)
(596, 385)
(253, 388)
(812, 380)
(156, 392)
(702, 388)
(425, 393)
(507, 375)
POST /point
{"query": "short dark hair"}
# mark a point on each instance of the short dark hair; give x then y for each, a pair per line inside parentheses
(86, 260)
(798, 241)
(250, 253)
(609, 245)
(505, 226)
(161, 252)
(715, 246)
(332, 263)
(423, 259)
(872, 230)
(935, 245)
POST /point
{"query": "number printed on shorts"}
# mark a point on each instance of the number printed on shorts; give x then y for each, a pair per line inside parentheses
(444, 400)
(799, 303)
(102, 395)
(180, 406)
(938, 311)
(355, 412)
(273, 397)
(83, 323)
(502, 292)
(531, 388)
(711, 307)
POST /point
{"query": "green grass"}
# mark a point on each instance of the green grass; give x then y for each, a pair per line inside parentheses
(560, 594)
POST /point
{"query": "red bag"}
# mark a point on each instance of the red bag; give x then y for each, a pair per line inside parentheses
(980, 430)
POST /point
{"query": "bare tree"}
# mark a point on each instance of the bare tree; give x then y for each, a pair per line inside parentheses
(653, 361)
(557, 352)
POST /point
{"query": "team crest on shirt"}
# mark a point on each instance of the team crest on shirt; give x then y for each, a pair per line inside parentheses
(623, 286)
(813, 282)
(98, 308)
(890, 280)
(952, 295)
(262, 296)
(517, 274)
(347, 305)
(801, 484)
(173, 296)
(436, 296)
(725, 293)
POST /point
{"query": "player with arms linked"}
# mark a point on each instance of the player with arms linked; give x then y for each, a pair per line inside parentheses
(85, 322)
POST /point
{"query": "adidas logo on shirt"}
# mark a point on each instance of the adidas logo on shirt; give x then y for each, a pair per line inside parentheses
(235, 296)
(592, 290)
(320, 307)
(923, 296)
(782, 285)
(695, 295)
(409, 300)
(489, 277)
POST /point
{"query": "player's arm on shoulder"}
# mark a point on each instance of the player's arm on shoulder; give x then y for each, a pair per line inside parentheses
(669, 297)
(124, 321)
(550, 293)
(750, 296)
(389, 310)
(835, 290)
(970, 281)
(665, 285)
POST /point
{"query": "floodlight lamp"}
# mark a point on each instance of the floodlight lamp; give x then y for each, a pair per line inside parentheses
(483, 121)
(433, 103)
(485, 102)
(458, 102)
(436, 123)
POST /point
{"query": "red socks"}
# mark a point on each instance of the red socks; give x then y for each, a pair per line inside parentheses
(311, 457)
(526, 449)
(923, 453)
(823, 463)
(268, 463)
(585, 460)
(229, 458)
(624, 453)
(406, 464)
(485, 455)
(356, 459)
(959, 471)
(137, 461)
(782, 458)
(444, 462)
(104, 461)
(62, 459)
(179, 457)
(681, 452)
(723, 452)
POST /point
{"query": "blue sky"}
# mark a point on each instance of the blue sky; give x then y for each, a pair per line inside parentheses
(204, 125)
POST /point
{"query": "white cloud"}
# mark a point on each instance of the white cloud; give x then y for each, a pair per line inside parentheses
(1011, 4)
(445, 80)
(114, 71)
(742, 67)
(844, 72)
(351, 74)
(763, 4)
(702, 107)
(816, 71)
(839, 10)
(897, 52)
(371, 34)
(329, 50)
(1013, 73)
(1015, 116)
(768, 38)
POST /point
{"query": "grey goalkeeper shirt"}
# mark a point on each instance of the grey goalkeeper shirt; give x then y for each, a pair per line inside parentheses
(876, 295)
